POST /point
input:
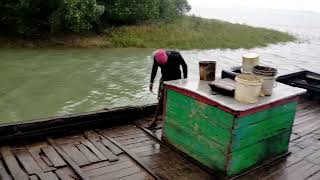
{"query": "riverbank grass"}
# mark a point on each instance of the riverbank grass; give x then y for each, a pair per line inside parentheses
(196, 33)
(187, 33)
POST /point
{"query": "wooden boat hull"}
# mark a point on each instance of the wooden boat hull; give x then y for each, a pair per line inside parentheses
(73, 123)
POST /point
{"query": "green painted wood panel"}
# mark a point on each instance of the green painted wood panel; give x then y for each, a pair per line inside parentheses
(250, 156)
(265, 115)
(218, 140)
(211, 113)
(195, 121)
(195, 145)
(254, 133)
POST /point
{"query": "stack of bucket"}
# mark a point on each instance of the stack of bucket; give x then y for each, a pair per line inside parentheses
(255, 80)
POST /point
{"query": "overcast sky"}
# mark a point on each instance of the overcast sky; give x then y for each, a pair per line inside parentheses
(305, 5)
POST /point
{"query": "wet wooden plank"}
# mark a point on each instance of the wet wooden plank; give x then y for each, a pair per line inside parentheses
(147, 148)
(66, 173)
(307, 127)
(28, 162)
(90, 156)
(75, 154)
(53, 156)
(122, 158)
(110, 168)
(105, 151)
(132, 136)
(134, 141)
(38, 156)
(111, 146)
(118, 174)
(48, 176)
(291, 171)
(130, 146)
(12, 164)
(4, 175)
(94, 149)
(152, 152)
(71, 163)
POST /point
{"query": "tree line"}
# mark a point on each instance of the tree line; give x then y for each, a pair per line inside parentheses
(38, 17)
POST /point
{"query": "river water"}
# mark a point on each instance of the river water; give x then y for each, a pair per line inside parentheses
(38, 83)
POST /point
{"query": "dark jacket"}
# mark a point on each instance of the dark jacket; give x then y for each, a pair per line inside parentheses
(171, 70)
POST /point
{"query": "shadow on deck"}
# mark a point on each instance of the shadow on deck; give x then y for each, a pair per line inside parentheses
(128, 152)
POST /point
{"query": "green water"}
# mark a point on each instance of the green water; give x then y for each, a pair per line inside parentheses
(44, 83)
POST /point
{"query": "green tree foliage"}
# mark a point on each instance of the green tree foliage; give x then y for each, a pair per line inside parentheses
(81, 14)
(130, 11)
(37, 17)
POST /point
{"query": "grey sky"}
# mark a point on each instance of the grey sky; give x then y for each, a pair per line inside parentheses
(305, 5)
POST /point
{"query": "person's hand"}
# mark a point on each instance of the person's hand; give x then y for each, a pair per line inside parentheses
(151, 87)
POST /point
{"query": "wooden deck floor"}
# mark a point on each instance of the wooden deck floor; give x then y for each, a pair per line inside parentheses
(128, 152)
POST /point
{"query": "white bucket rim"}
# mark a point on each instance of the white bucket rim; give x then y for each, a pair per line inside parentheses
(249, 79)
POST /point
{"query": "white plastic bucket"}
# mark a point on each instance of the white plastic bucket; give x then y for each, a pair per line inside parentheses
(248, 88)
(249, 61)
(268, 74)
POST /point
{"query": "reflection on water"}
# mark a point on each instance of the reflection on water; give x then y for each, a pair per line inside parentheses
(43, 83)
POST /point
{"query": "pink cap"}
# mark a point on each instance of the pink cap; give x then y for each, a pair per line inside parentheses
(161, 56)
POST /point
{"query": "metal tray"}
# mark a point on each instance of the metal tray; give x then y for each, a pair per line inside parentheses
(303, 79)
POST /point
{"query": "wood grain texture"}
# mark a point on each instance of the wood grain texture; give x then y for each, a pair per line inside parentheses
(12, 164)
(53, 156)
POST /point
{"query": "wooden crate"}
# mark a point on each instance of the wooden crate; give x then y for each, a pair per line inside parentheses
(223, 140)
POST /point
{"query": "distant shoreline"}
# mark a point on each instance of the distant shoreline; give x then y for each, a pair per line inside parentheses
(186, 33)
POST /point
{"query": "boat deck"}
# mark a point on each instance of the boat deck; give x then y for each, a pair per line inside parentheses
(131, 152)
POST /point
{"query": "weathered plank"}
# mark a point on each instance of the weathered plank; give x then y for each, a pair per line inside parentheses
(137, 176)
(255, 133)
(122, 158)
(140, 144)
(72, 164)
(3, 172)
(75, 154)
(265, 115)
(53, 156)
(147, 148)
(94, 149)
(94, 138)
(134, 141)
(66, 173)
(90, 156)
(252, 155)
(111, 168)
(12, 164)
(48, 176)
(35, 151)
(132, 136)
(118, 174)
(205, 150)
(111, 146)
(28, 162)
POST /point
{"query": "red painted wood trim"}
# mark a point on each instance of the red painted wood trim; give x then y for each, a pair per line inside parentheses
(268, 106)
(237, 114)
(200, 98)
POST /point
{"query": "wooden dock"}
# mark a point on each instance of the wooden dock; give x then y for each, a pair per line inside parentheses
(130, 152)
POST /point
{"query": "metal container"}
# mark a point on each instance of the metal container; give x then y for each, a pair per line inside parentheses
(207, 70)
